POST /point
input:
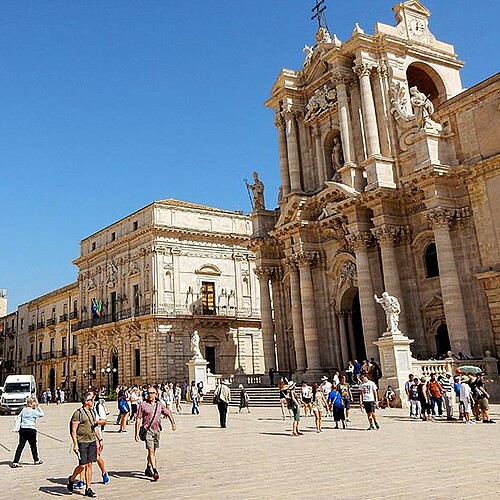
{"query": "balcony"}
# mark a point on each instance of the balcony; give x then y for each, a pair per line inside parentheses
(31, 327)
(112, 318)
(51, 321)
(73, 315)
(40, 324)
(63, 318)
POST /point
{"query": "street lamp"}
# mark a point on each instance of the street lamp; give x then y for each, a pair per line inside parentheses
(109, 370)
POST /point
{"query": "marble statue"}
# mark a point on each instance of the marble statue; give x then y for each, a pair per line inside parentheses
(195, 345)
(392, 310)
(257, 189)
(308, 51)
(422, 107)
(337, 154)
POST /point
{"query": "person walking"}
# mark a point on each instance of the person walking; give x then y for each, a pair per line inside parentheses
(369, 400)
(177, 398)
(345, 389)
(294, 405)
(244, 399)
(193, 395)
(83, 426)
(222, 395)
(319, 405)
(282, 387)
(149, 418)
(27, 431)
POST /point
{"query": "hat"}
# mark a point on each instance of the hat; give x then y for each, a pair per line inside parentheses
(240, 386)
(465, 378)
(423, 379)
(291, 384)
(448, 374)
(323, 378)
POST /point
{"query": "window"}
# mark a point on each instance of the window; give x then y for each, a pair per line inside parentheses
(65, 309)
(135, 225)
(93, 245)
(53, 313)
(22, 322)
(431, 261)
(208, 297)
(40, 347)
(137, 363)
(52, 343)
(63, 346)
(113, 236)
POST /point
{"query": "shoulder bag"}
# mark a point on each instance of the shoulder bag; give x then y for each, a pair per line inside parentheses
(143, 430)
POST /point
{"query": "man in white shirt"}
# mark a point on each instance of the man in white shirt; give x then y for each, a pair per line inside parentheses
(466, 399)
(369, 400)
(326, 388)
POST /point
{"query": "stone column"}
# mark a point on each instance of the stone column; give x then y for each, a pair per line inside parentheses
(453, 303)
(283, 154)
(368, 109)
(278, 315)
(311, 338)
(344, 348)
(320, 157)
(298, 332)
(350, 334)
(344, 119)
(359, 243)
(386, 236)
(292, 142)
(384, 120)
(264, 274)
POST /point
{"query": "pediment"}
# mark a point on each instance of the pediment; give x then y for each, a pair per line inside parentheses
(315, 69)
(435, 303)
(413, 7)
(208, 269)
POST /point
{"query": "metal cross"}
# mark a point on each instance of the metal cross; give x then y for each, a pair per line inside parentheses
(319, 10)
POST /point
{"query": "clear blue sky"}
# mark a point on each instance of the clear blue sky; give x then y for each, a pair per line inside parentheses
(106, 106)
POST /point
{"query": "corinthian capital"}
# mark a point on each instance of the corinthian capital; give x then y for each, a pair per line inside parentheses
(363, 69)
(386, 234)
(306, 259)
(264, 273)
(360, 240)
(279, 120)
(341, 78)
(439, 218)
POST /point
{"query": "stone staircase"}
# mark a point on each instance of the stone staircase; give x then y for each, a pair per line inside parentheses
(263, 396)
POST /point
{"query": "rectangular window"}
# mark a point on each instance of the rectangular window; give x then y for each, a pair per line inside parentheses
(137, 298)
(63, 346)
(137, 363)
(52, 344)
(208, 297)
(40, 347)
(113, 236)
(94, 366)
(93, 245)
(135, 225)
(53, 313)
(22, 322)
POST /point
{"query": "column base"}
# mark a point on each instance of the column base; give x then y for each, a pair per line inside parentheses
(380, 172)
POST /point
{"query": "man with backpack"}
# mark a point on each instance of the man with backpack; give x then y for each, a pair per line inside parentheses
(83, 434)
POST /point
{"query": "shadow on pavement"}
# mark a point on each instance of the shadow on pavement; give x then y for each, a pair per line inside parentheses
(129, 473)
(57, 491)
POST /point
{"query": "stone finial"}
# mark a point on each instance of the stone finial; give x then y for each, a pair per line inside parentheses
(336, 41)
(357, 30)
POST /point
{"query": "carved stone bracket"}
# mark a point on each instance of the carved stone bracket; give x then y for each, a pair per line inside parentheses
(302, 259)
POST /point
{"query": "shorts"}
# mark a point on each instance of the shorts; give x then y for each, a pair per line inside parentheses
(347, 403)
(296, 413)
(483, 404)
(369, 406)
(88, 452)
(465, 407)
(306, 400)
(153, 439)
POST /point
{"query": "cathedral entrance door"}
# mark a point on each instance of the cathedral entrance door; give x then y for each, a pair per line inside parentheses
(351, 312)
(210, 357)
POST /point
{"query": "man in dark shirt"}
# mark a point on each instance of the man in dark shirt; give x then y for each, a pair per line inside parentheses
(149, 414)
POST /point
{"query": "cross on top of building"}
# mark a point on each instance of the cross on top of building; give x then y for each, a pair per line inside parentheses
(319, 14)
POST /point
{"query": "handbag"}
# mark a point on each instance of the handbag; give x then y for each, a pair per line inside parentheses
(143, 430)
(216, 399)
(17, 423)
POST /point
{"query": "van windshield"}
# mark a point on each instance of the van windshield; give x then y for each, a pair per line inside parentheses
(17, 387)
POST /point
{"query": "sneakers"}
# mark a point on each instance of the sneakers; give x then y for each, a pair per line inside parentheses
(71, 485)
(15, 464)
(79, 485)
(371, 428)
(38, 462)
(148, 472)
(376, 425)
(156, 476)
(105, 478)
(90, 493)
(488, 421)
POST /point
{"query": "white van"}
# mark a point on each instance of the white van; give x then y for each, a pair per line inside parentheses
(16, 390)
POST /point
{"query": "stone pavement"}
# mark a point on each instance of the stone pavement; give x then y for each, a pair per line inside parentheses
(255, 458)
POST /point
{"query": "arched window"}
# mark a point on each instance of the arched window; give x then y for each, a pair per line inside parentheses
(431, 261)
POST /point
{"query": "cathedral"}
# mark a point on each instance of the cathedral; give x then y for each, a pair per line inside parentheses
(389, 170)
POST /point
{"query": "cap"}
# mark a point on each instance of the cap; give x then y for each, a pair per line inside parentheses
(291, 384)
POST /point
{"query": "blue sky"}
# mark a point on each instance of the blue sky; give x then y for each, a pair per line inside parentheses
(106, 106)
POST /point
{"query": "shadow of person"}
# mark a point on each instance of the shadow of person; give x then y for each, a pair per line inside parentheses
(56, 491)
(129, 473)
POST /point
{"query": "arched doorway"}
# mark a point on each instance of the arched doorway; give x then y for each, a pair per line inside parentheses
(353, 326)
(114, 370)
(427, 81)
(52, 380)
(442, 340)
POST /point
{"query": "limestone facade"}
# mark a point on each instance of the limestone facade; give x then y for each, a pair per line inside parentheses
(389, 181)
(144, 284)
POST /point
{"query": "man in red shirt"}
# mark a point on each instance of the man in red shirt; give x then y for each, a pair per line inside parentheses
(436, 392)
(149, 416)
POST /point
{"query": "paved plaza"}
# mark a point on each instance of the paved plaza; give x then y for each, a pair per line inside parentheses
(255, 458)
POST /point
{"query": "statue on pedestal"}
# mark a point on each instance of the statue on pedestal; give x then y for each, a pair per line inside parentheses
(392, 310)
(195, 345)
(257, 189)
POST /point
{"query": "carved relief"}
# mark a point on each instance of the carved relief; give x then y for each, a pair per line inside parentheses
(321, 101)
(347, 273)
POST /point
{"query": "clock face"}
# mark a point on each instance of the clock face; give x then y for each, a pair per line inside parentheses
(416, 28)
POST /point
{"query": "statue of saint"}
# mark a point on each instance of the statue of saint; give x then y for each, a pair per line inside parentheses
(195, 345)
(423, 108)
(308, 51)
(257, 189)
(392, 310)
(337, 158)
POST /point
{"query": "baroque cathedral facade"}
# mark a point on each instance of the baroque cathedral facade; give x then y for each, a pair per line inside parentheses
(389, 182)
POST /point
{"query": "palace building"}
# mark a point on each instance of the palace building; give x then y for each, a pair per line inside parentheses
(144, 285)
(389, 181)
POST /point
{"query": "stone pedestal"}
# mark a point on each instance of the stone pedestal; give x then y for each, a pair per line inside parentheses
(197, 368)
(395, 361)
